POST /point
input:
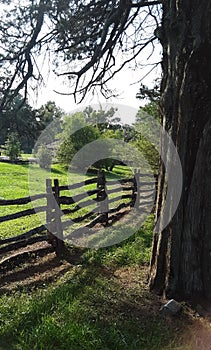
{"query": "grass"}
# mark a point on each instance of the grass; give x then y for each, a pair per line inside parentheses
(17, 181)
(86, 309)
(101, 302)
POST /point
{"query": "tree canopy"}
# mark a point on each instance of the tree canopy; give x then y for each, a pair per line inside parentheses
(86, 42)
(21, 121)
(82, 128)
(27, 122)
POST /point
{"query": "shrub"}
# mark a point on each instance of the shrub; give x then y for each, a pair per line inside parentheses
(12, 146)
(44, 157)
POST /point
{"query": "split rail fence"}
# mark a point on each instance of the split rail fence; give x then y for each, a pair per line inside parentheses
(109, 197)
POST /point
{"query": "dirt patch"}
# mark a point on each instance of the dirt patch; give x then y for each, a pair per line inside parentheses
(31, 267)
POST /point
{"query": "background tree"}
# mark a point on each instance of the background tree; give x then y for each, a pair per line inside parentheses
(152, 109)
(101, 119)
(26, 122)
(44, 157)
(108, 135)
(152, 96)
(47, 113)
(21, 121)
(13, 146)
(84, 127)
(76, 134)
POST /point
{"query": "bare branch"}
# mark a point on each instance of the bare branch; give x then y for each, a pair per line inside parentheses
(82, 39)
(23, 57)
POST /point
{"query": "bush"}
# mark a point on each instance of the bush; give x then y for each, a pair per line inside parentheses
(44, 157)
(12, 146)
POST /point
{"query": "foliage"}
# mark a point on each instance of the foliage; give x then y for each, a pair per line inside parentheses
(49, 118)
(149, 152)
(103, 120)
(147, 118)
(48, 113)
(26, 122)
(85, 127)
(152, 109)
(44, 157)
(12, 146)
(76, 135)
(19, 118)
(153, 94)
(107, 136)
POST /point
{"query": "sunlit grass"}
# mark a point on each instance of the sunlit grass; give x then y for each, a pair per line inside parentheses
(89, 307)
(18, 181)
(84, 310)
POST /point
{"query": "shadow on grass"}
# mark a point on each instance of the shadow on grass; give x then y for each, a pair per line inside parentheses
(57, 171)
(89, 308)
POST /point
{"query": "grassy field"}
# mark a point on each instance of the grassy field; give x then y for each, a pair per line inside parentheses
(100, 301)
(17, 181)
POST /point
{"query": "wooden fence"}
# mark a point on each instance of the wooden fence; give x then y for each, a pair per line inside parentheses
(108, 198)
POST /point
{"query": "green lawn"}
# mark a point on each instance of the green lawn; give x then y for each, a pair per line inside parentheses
(101, 302)
(17, 181)
(85, 309)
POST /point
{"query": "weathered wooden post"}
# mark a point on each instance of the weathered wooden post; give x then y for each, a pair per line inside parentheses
(102, 196)
(156, 192)
(138, 189)
(134, 190)
(58, 223)
(49, 213)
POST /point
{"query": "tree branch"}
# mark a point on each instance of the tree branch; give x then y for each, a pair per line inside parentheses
(23, 57)
(145, 3)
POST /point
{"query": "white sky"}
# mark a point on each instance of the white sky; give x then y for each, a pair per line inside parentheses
(122, 82)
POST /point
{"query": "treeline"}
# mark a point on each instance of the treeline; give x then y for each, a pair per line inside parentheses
(21, 125)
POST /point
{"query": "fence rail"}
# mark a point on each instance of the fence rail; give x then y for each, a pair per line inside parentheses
(101, 199)
(21, 201)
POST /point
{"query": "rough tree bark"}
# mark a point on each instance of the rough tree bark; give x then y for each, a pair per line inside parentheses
(181, 255)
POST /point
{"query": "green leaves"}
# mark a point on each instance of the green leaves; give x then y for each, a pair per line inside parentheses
(12, 146)
(76, 134)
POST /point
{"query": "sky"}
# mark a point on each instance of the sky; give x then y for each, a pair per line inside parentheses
(123, 82)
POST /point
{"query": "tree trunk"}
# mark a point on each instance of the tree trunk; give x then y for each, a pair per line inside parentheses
(181, 255)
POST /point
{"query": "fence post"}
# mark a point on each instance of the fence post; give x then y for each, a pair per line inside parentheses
(49, 213)
(58, 223)
(134, 191)
(138, 188)
(156, 192)
(102, 197)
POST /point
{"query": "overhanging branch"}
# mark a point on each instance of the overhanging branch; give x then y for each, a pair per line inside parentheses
(144, 4)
